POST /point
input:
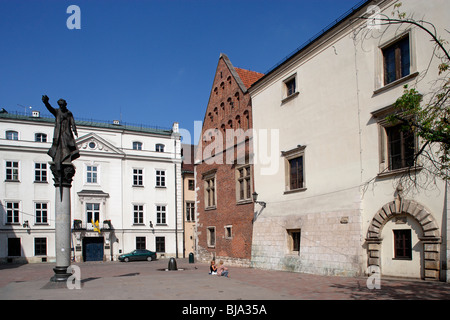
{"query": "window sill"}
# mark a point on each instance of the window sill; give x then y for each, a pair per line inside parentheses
(137, 186)
(7, 180)
(161, 224)
(289, 98)
(41, 182)
(160, 187)
(295, 190)
(244, 201)
(397, 172)
(210, 208)
(396, 83)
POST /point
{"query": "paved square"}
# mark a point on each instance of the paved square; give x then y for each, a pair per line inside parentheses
(150, 281)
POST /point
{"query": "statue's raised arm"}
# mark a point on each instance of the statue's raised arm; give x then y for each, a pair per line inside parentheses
(64, 147)
(45, 100)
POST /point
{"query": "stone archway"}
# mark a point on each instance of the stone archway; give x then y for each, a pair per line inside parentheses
(430, 239)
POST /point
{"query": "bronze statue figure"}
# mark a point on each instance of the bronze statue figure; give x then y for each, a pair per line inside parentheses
(64, 147)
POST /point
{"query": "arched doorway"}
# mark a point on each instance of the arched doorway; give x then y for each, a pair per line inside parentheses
(403, 234)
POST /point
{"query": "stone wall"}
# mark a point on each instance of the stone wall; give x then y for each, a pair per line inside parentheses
(330, 243)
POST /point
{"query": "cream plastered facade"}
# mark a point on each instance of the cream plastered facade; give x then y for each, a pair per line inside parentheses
(350, 203)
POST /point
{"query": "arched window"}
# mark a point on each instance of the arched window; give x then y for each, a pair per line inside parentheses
(40, 137)
(159, 147)
(12, 135)
(137, 145)
(247, 120)
(238, 122)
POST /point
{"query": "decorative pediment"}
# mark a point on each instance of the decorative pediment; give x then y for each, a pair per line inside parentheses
(94, 143)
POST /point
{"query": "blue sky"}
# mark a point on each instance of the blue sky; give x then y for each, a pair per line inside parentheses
(146, 62)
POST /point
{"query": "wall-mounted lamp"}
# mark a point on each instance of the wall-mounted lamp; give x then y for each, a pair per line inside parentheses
(26, 224)
(255, 198)
(151, 225)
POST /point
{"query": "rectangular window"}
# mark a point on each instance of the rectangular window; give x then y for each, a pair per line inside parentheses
(138, 213)
(40, 246)
(295, 169)
(296, 173)
(294, 240)
(244, 185)
(92, 212)
(160, 178)
(401, 147)
(91, 174)
(210, 192)
(159, 147)
(397, 61)
(40, 212)
(211, 236)
(12, 212)
(402, 244)
(14, 247)
(191, 184)
(40, 172)
(140, 243)
(40, 137)
(138, 177)
(161, 214)
(190, 211)
(160, 244)
(12, 171)
(290, 87)
(228, 232)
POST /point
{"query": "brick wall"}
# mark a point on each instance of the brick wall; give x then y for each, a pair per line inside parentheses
(229, 107)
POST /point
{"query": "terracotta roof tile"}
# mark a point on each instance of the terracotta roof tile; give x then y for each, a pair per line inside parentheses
(248, 77)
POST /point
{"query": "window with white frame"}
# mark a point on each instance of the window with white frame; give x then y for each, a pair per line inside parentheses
(160, 214)
(41, 212)
(137, 145)
(12, 212)
(92, 212)
(138, 177)
(159, 147)
(92, 174)
(12, 135)
(12, 170)
(40, 172)
(160, 178)
(190, 211)
(40, 137)
(138, 214)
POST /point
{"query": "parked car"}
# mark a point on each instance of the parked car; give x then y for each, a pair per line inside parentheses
(137, 255)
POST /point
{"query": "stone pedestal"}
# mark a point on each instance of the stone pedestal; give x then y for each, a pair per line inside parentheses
(62, 177)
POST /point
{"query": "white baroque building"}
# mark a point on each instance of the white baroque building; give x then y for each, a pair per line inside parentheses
(337, 191)
(128, 179)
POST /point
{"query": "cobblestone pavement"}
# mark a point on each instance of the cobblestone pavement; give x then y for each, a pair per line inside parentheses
(150, 280)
